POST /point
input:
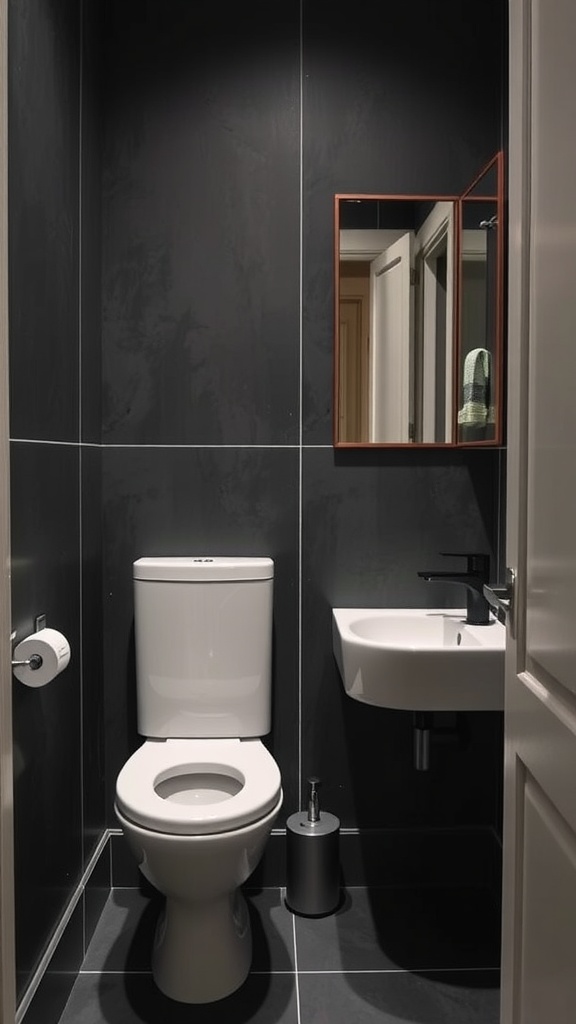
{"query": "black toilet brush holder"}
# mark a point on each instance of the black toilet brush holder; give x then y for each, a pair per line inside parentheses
(312, 859)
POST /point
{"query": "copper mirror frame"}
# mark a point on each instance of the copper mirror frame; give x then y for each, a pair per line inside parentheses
(436, 284)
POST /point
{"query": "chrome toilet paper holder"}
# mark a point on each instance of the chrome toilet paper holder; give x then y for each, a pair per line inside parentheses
(35, 661)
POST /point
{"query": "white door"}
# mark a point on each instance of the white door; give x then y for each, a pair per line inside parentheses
(392, 342)
(539, 917)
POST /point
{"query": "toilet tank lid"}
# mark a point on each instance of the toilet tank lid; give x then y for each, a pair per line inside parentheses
(203, 567)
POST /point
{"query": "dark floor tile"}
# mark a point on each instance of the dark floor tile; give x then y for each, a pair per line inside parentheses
(413, 929)
(123, 938)
(272, 930)
(134, 999)
(50, 998)
(399, 997)
(96, 894)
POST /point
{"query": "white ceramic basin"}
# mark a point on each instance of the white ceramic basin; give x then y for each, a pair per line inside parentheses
(419, 659)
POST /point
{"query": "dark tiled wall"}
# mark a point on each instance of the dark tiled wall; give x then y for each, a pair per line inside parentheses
(408, 104)
(224, 142)
(219, 144)
(55, 478)
(201, 224)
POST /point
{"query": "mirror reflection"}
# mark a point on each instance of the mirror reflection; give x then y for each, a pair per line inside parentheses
(480, 319)
(395, 319)
(419, 317)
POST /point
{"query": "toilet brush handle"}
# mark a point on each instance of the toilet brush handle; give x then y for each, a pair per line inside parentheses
(313, 804)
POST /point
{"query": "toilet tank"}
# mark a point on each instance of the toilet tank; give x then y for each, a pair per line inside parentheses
(203, 629)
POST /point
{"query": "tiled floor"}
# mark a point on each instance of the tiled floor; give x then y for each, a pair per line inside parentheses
(387, 955)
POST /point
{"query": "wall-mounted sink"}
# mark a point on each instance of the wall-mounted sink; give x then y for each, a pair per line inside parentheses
(419, 659)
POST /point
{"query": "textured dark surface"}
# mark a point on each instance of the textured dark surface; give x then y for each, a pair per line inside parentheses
(201, 346)
(171, 285)
(43, 218)
(421, 955)
(201, 215)
(413, 106)
(370, 521)
(47, 723)
(55, 338)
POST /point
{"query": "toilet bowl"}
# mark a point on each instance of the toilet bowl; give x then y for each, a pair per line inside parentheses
(197, 815)
(198, 787)
(199, 798)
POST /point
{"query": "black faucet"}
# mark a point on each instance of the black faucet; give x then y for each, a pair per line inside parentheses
(476, 575)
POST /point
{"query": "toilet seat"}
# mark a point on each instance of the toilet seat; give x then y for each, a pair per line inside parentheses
(246, 762)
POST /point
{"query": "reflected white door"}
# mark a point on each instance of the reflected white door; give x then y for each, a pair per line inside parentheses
(539, 919)
(435, 249)
(392, 342)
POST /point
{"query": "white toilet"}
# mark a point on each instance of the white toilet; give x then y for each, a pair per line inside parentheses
(198, 799)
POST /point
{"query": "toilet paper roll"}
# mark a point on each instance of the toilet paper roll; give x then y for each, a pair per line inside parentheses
(48, 644)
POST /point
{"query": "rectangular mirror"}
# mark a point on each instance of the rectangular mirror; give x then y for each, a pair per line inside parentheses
(480, 289)
(395, 319)
(418, 317)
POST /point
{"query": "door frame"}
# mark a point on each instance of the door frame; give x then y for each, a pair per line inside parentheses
(7, 944)
(519, 205)
(437, 233)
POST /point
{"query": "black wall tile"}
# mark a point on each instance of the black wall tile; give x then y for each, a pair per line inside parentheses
(55, 569)
(43, 218)
(186, 501)
(415, 108)
(193, 126)
(46, 720)
(201, 223)
(371, 520)
(379, 114)
(94, 809)
(91, 241)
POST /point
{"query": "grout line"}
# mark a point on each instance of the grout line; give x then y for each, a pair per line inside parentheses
(296, 974)
(33, 440)
(123, 974)
(498, 517)
(80, 414)
(81, 675)
(80, 206)
(296, 981)
(202, 447)
(401, 970)
(300, 396)
(293, 447)
(163, 447)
